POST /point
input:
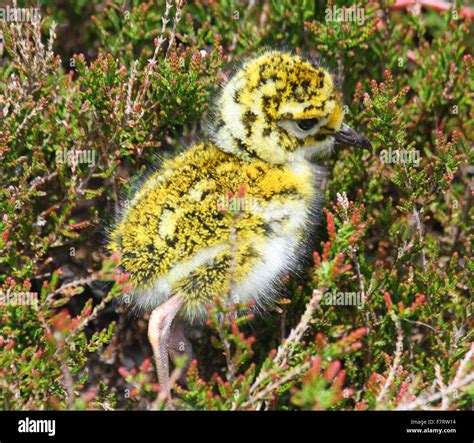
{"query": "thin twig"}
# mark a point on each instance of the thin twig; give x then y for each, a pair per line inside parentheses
(69, 384)
(177, 18)
(459, 381)
(274, 385)
(423, 401)
(286, 349)
(396, 361)
(227, 350)
(442, 387)
(419, 228)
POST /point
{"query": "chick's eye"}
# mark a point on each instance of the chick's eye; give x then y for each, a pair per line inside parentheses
(307, 124)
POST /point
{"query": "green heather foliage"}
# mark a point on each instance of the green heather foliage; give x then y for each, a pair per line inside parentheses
(127, 82)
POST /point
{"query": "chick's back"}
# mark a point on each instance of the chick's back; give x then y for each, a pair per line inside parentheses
(179, 234)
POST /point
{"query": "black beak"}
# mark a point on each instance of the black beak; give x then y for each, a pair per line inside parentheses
(347, 136)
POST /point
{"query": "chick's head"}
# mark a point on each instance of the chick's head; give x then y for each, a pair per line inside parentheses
(278, 107)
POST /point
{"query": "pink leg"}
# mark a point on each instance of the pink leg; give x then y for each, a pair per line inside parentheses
(180, 346)
(159, 328)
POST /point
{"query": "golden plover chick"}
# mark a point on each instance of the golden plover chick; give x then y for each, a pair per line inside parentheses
(273, 117)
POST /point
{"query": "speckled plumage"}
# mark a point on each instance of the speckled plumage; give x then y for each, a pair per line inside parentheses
(175, 238)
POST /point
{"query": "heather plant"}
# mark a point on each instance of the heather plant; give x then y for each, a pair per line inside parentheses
(380, 319)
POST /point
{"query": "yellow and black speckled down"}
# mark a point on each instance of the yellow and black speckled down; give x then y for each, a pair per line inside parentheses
(175, 238)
